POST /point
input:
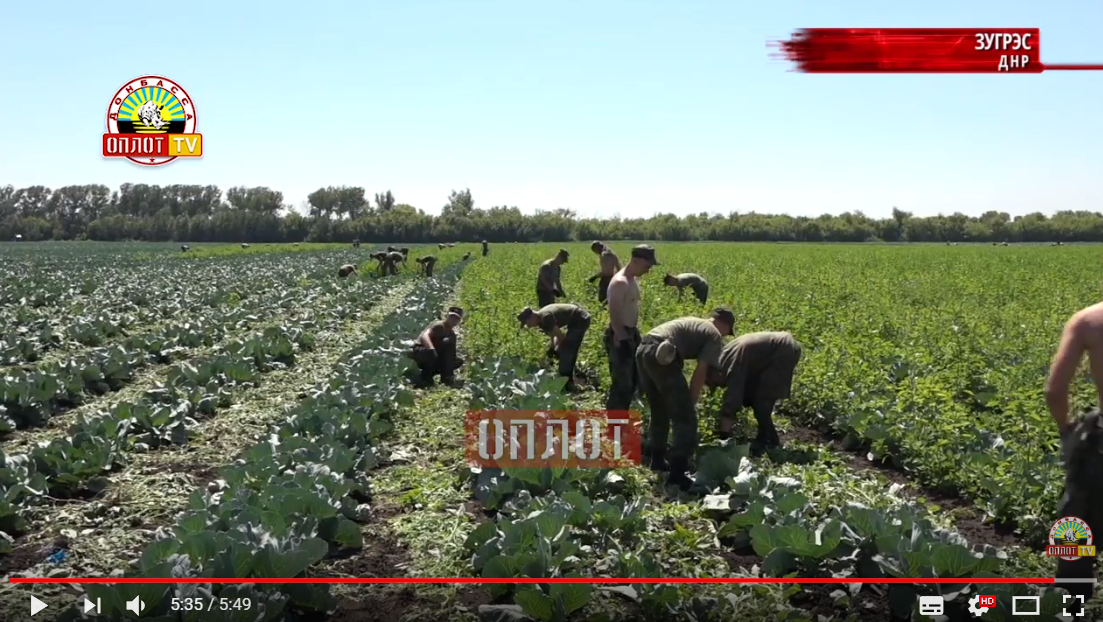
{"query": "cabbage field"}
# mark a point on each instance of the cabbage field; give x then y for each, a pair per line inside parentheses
(243, 413)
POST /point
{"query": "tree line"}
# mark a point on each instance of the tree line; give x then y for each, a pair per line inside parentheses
(194, 213)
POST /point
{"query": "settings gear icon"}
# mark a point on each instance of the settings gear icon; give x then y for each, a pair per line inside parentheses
(974, 607)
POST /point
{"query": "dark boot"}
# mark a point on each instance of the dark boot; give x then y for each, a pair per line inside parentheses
(657, 460)
(677, 476)
(767, 433)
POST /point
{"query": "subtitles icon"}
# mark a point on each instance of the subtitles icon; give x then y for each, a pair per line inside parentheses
(931, 605)
(1037, 607)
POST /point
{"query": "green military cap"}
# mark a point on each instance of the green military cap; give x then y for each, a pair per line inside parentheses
(643, 251)
(525, 314)
(725, 315)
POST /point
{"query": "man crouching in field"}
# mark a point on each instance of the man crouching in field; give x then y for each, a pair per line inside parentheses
(553, 320)
(756, 370)
(1082, 440)
(435, 349)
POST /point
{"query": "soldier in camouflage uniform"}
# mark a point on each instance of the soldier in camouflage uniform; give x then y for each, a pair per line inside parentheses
(695, 282)
(661, 358)
(756, 370)
(549, 286)
(622, 336)
(1081, 441)
(427, 263)
(553, 320)
(435, 349)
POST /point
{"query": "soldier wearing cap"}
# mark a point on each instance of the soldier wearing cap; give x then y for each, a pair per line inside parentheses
(661, 357)
(622, 336)
(553, 320)
(696, 282)
(548, 283)
(435, 349)
(608, 266)
(756, 370)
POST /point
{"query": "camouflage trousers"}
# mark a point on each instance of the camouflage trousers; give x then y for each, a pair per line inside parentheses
(544, 298)
(442, 361)
(672, 409)
(1083, 453)
(568, 350)
(603, 288)
(701, 292)
(623, 372)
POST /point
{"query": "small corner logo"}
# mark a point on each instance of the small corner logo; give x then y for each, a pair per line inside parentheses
(1070, 538)
(151, 121)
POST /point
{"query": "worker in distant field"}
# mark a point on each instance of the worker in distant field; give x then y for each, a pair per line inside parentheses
(695, 282)
(756, 370)
(393, 259)
(426, 264)
(608, 266)
(486, 248)
(622, 336)
(661, 358)
(466, 256)
(1081, 439)
(356, 243)
(435, 349)
(380, 257)
(345, 270)
(549, 286)
(553, 320)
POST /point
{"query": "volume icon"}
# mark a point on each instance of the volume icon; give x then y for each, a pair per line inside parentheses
(137, 605)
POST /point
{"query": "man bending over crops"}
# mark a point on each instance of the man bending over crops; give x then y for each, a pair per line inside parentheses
(345, 270)
(622, 336)
(756, 370)
(608, 266)
(393, 259)
(435, 349)
(661, 358)
(695, 282)
(1081, 440)
(427, 262)
(548, 283)
(553, 320)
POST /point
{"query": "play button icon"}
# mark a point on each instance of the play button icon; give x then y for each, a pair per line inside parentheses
(37, 605)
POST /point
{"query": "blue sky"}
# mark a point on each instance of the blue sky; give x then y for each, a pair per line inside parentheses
(608, 107)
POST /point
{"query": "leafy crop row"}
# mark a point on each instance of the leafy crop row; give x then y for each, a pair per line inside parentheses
(294, 499)
(29, 397)
(98, 443)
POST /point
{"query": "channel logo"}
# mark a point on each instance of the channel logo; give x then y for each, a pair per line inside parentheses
(1070, 538)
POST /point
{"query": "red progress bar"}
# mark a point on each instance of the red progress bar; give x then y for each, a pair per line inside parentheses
(525, 580)
(1071, 67)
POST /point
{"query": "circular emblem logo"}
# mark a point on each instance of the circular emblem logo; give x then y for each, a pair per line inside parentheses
(153, 106)
(1070, 531)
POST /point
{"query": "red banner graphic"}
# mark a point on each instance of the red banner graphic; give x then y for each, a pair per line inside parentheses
(915, 50)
